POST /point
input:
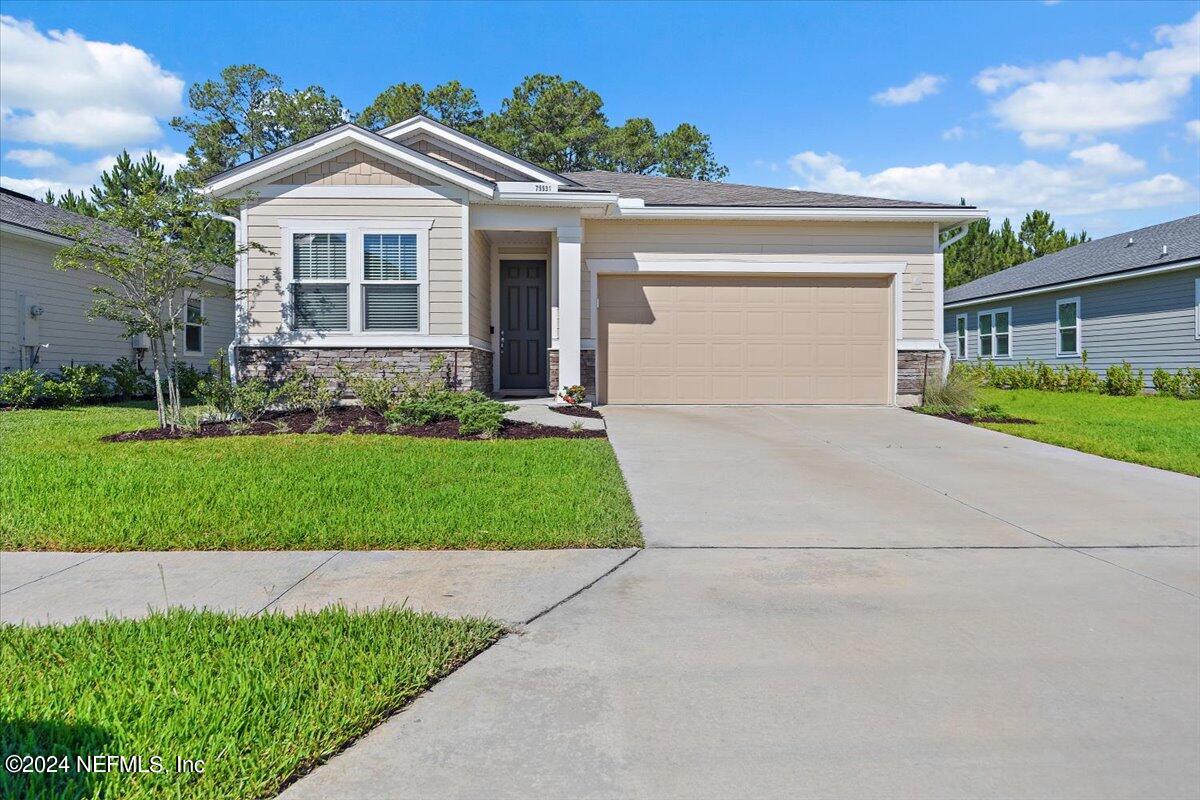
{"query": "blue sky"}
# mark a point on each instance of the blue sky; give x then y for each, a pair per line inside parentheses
(1089, 110)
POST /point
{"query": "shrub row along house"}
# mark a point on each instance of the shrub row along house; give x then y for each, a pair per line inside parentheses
(43, 310)
(397, 246)
(1131, 297)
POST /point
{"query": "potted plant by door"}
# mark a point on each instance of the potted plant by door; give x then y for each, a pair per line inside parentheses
(572, 395)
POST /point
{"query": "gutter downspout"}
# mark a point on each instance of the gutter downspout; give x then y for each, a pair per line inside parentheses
(941, 249)
(239, 282)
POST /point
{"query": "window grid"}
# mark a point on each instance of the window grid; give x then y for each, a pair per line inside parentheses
(193, 328)
(391, 285)
(320, 290)
(995, 333)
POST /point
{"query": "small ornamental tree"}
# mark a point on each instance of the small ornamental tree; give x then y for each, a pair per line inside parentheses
(156, 249)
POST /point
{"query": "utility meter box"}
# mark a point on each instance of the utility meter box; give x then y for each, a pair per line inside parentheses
(28, 327)
(140, 341)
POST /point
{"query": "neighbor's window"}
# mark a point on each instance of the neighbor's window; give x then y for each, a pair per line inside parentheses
(319, 288)
(193, 328)
(1068, 327)
(961, 335)
(995, 336)
(391, 288)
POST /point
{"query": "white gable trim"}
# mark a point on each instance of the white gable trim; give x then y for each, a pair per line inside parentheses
(340, 139)
(437, 130)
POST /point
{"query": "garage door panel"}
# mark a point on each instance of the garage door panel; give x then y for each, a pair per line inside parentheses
(760, 339)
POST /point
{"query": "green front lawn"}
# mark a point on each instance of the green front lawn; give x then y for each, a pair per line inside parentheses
(258, 699)
(61, 488)
(1160, 432)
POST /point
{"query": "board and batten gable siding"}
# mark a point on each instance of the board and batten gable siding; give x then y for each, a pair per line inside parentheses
(1149, 321)
(352, 168)
(468, 162)
(912, 243)
(66, 295)
(266, 296)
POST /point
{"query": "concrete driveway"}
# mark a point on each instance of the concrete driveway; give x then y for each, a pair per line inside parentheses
(838, 603)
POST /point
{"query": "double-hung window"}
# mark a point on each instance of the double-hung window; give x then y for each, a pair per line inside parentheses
(391, 282)
(995, 334)
(193, 326)
(1067, 326)
(960, 336)
(320, 291)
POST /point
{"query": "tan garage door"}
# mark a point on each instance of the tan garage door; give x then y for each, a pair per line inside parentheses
(695, 339)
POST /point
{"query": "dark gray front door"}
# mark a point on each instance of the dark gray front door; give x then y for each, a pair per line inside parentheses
(523, 325)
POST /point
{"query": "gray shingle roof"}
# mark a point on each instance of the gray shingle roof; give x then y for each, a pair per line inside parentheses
(23, 211)
(1107, 256)
(659, 191)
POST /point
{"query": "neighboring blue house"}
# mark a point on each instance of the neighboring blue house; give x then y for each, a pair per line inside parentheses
(1134, 297)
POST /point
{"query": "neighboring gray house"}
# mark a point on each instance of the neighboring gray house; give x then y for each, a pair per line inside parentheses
(1134, 297)
(43, 311)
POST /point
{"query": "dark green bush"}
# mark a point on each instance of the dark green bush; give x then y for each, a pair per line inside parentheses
(128, 381)
(21, 388)
(187, 378)
(216, 388)
(1184, 384)
(1122, 380)
(56, 393)
(91, 381)
(476, 412)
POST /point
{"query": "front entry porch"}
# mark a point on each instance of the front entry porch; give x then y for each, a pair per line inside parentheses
(531, 261)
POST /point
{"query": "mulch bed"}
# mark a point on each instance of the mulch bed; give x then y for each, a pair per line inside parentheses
(972, 420)
(353, 420)
(577, 411)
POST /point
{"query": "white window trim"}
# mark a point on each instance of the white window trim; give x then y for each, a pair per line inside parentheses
(1058, 351)
(1198, 308)
(187, 299)
(992, 312)
(962, 344)
(355, 229)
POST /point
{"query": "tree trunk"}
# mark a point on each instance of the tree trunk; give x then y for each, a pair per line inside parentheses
(158, 392)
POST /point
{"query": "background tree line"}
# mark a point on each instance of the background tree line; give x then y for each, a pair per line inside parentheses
(557, 124)
(984, 250)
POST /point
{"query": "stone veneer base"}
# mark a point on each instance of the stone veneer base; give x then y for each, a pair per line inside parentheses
(911, 368)
(587, 372)
(466, 367)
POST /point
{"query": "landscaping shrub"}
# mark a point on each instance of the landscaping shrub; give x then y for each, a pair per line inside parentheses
(91, 381)
(1184, 384)
(128, 381)
(1035, 375)
(376, 392)
(251, 399)
(57, 393)
(21, 388)
(1121, 380)
(476, 412)
(187, 378)
(216, 388)
(308, 392)
(955, 391)
(573, 394)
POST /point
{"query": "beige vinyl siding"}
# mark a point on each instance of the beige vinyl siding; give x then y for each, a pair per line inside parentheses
(353, 168)
(468, 162)
(445, 252)
(66, 296)
(912, 243)
(481, 286)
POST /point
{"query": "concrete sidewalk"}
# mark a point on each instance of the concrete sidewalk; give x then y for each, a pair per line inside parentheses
(511, 586)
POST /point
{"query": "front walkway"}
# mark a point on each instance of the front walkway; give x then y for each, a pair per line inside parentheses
(511, 586)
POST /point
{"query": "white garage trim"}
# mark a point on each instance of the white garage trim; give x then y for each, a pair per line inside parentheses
(746, 266)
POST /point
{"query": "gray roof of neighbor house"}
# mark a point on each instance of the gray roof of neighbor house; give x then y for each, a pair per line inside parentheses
(660, 191)
(23, 211)
(1108, 256)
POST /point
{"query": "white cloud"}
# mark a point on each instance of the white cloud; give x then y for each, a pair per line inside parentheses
(914, 91)
(60, 174)
(1096, 94)
(1192, 129)
(35, 158)
(953, 134)
(1108, 157)
(60, 88)
(1003, 189)
(1045, 140)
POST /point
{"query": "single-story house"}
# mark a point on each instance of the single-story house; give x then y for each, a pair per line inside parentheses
(1130, 297)
(418, 240)
(43, 310)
